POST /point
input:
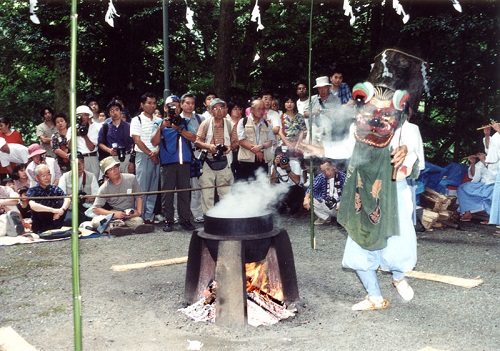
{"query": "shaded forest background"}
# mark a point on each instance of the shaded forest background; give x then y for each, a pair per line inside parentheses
(462, 50)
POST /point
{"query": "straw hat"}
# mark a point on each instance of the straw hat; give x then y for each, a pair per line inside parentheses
(322, 82)
(107, 163)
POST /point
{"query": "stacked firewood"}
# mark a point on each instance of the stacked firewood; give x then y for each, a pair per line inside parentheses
(438, 210)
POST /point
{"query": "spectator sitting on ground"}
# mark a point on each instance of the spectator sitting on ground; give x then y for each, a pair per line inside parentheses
(87, 185)
(475, 196)
(8, 182)
(286, 170)
(12, 153)
(20, 177)
(37, 156)
(126, 208)
(7, 205)
(327, 191)
(23, 207)
(46, 214)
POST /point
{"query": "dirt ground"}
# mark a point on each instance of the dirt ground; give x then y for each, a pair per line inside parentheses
(138, 310)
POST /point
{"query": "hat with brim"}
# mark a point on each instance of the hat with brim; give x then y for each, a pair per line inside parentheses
(108, 163)
(172, 98)
(322, 82)
(35, 149)
(84, 109)
(217, 101)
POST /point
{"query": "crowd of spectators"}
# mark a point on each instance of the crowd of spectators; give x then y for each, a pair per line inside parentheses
(193, 159)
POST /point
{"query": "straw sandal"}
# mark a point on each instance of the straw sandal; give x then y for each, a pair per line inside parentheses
(371, 304)
(404, 289)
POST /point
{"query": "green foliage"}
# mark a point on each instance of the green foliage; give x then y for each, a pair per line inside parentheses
(462, 50)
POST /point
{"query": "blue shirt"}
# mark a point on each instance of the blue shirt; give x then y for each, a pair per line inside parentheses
(169, 147)
(116, 134)
(51, 190)
(320, 186)
(344, 93)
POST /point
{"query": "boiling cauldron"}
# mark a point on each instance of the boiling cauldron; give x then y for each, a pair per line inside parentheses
(219, 252)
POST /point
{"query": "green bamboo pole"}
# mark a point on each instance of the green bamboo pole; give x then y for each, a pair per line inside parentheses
(77, 301)
(311, 170)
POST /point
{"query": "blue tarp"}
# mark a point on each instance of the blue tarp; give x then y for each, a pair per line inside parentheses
(432, 177)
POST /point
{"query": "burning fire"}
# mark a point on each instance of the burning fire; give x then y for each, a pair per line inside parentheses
(265, 298)
(258, 280)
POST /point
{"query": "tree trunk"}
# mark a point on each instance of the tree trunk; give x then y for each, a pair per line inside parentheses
(224, 40)
(61, 86)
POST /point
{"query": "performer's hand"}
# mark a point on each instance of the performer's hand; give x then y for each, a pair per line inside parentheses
(398, 156)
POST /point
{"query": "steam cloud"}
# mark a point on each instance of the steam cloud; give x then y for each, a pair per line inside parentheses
(249, 199)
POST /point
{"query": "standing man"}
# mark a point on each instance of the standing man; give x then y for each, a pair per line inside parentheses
(126, 208)
(207, 99)
(114, 138)
(339, 88)
(174, 140)
(146, 159)
(215, 135)
(270, 115)
(49, 213)
(93, 104)
(194, 121)
(302, 102)
(256, 139)
(45, 130)
(86, 138)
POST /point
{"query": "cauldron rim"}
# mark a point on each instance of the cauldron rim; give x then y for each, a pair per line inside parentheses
(235, 227)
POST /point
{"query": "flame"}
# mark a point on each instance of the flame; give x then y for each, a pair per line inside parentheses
(258, 280)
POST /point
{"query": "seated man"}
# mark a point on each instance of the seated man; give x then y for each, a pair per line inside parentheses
(475, 196)
(286, 170)
(7, 214)
(87, 185)
(12, 153)
(126, 208)
(46, 214)
(327, 191)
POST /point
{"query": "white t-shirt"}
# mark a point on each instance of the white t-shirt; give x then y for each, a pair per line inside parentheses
(302, 105)
(18, 153)
(144, 129)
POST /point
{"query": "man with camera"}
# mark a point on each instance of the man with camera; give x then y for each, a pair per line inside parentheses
(86, 138)
(87, 185)
(327, 191)
(125, 208)
(256, 139)
(114, 138)
(174, 137)
(147, 162)
(286, 170)
(216, 139)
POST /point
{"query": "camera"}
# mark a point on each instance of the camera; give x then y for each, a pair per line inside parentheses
(81, 129)
(220, 149)
(81, 193)
(120, 150)
(176, 120)
(203, 156)
(129, 211)
(284, 156)
(330, 202)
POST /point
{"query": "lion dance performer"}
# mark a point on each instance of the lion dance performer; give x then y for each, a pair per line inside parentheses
(376, 207)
